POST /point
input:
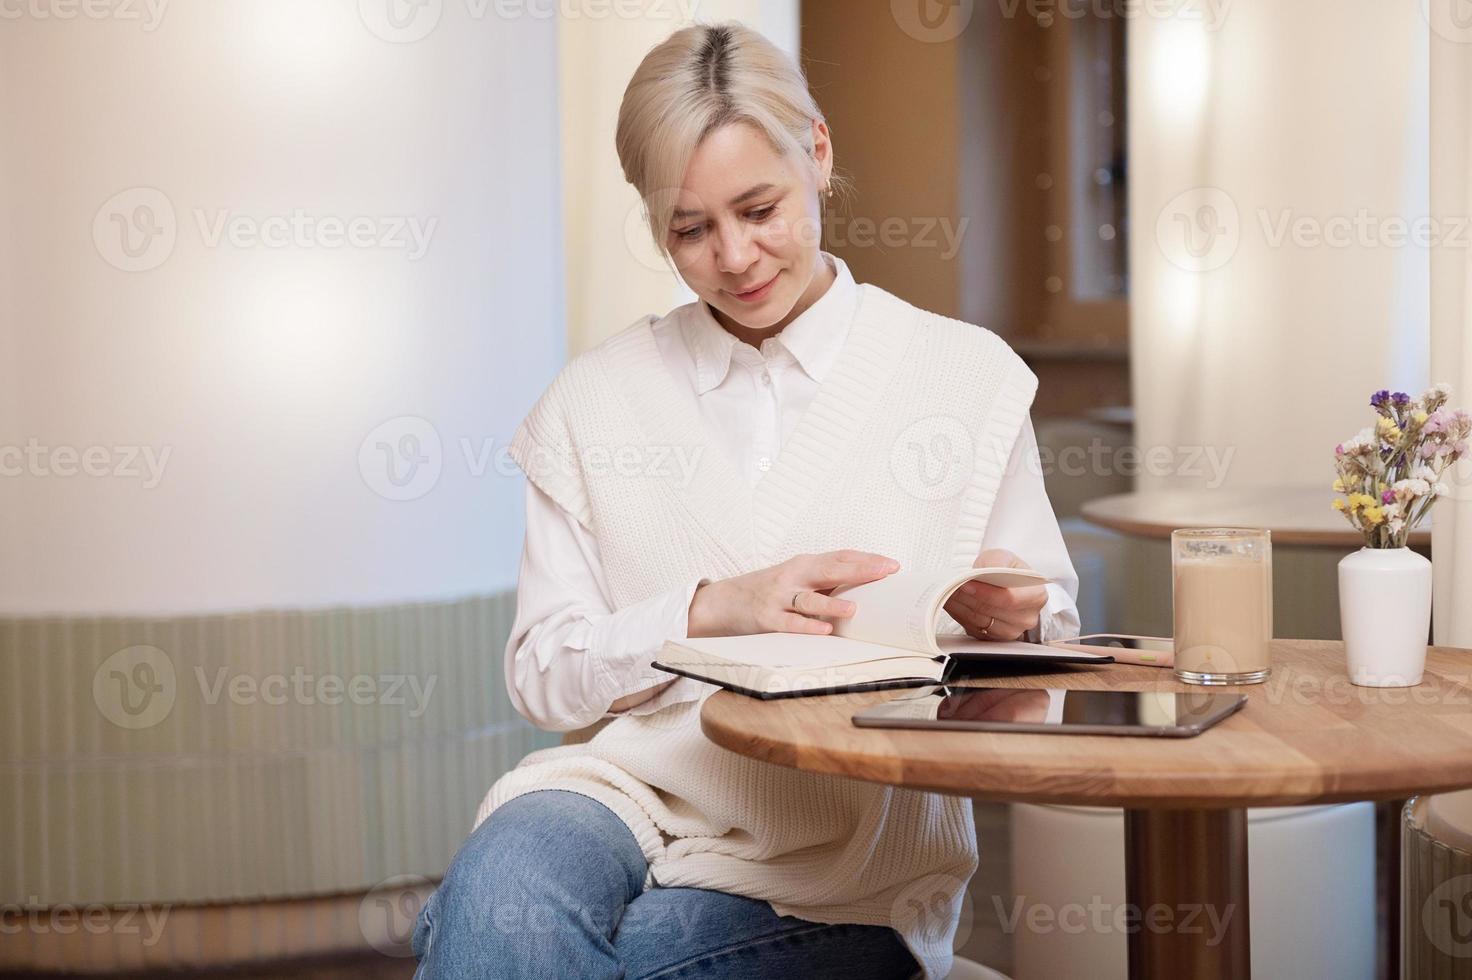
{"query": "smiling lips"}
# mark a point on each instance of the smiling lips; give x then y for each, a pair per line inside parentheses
(757, 294)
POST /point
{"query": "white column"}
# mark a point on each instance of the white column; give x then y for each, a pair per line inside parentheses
(1451, 309)
(259, 260)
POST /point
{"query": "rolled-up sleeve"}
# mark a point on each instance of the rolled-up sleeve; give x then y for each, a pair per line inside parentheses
(570, 654)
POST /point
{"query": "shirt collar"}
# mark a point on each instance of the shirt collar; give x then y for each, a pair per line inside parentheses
(813, 339)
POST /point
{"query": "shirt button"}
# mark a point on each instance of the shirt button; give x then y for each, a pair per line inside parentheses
(766, 377)
(764, 463)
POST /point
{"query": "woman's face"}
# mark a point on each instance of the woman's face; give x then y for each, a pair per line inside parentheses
(747, 228)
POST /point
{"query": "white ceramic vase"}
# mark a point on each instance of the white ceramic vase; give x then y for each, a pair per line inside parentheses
(1385, 615)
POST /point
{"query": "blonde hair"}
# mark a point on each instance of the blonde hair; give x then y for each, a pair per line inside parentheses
(697, 80)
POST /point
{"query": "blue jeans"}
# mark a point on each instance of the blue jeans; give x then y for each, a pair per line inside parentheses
(551, 886)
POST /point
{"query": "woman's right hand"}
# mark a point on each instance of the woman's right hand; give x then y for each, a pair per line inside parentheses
(762, 601)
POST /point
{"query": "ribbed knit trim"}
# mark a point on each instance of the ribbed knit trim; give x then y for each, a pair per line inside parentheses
(1008, 413)
(883, 327)
(542, 449)
(717, 496)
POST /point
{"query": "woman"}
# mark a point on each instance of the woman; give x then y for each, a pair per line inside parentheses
(715, 472)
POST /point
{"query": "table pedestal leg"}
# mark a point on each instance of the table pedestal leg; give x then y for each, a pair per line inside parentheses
(1186, 884)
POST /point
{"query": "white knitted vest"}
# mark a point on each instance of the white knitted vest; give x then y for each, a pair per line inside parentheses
(901, 452)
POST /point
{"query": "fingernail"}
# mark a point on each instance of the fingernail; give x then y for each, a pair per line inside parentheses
(892, 565)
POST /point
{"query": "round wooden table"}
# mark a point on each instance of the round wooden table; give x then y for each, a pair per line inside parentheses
(1295, 515)
(1305, 736)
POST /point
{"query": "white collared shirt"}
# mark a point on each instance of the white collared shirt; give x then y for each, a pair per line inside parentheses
(571, 655)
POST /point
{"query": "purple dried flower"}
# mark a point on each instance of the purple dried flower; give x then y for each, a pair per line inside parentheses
(1379, 398)
(1400, 399)
(1388, 497)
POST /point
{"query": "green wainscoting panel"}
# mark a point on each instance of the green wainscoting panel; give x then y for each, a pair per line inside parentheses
(243, 756)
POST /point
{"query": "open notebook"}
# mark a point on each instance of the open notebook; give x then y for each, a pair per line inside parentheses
(890, 641)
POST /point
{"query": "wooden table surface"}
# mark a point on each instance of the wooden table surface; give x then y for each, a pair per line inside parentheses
(1305, 736)
(1295, 515)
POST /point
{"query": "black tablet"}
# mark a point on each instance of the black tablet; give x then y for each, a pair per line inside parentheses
(1011, 709)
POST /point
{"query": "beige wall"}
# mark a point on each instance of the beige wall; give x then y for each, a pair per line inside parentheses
(892, 103)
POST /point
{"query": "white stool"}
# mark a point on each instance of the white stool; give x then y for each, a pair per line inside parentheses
(964, 969)
(1311, 883)
(1436, 902)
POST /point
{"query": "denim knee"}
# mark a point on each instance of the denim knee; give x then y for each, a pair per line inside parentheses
(540, 858)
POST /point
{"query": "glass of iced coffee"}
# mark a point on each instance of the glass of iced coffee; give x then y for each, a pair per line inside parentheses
(1223, 602)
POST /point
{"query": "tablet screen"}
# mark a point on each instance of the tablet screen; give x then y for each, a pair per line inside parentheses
(1053, 709)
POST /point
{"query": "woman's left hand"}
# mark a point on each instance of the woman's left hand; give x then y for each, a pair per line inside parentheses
(989, 612)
